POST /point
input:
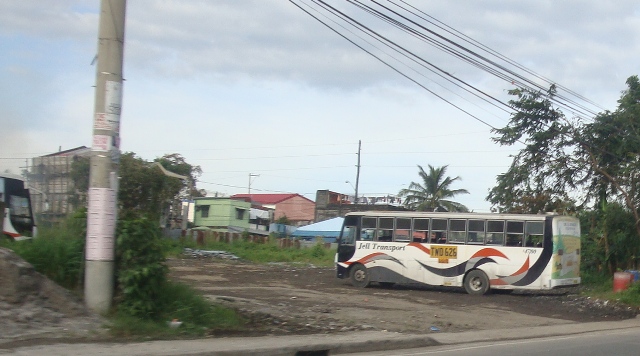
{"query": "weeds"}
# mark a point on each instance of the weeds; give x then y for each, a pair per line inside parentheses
(177, 301)
(57, 252)
(265, 252)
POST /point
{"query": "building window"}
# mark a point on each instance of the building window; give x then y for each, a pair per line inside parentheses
(204, 211)
(240, 213)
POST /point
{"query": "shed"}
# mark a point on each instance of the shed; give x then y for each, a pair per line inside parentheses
(329, 230)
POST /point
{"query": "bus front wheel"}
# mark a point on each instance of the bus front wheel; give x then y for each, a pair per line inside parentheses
(359, 276)
(476, 282)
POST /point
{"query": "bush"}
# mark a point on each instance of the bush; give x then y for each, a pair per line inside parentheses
(178, 301)
(141, 269)
(57, 251)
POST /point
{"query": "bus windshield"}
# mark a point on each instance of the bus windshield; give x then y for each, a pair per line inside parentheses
(15, 205)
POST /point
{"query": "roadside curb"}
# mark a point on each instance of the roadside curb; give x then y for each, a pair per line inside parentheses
(315, 344)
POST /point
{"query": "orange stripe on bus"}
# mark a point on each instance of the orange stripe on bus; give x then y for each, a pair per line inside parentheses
(489, 252)
(524, 268)
(420, 247)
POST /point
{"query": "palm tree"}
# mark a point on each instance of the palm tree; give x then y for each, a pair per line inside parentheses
(434, 193)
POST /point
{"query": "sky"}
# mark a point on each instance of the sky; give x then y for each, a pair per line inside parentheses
(262, 96)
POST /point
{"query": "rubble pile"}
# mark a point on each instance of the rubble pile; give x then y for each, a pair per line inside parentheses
(209, 253)
(31, 304)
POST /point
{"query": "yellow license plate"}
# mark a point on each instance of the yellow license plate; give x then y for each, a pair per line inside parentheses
(444, 252)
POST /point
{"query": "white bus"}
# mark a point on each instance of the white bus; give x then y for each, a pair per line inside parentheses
(15, 206)
(476, 251)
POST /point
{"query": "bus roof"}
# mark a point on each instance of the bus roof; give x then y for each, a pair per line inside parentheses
(423, 214)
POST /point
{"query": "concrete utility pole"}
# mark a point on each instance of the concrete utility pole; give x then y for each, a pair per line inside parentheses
(358, 171)
(105, 159)
(251, 175)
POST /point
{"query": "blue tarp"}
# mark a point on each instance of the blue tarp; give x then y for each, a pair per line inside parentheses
(328, 229)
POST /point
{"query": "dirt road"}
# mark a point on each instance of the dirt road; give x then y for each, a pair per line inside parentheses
(285, 299)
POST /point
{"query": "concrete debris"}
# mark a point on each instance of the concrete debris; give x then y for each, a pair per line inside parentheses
(209, 253)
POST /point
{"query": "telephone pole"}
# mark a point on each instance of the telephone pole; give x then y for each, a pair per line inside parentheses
(105, 159)
(251, 175)
(358, 171)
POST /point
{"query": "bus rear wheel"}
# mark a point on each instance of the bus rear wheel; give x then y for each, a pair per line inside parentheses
(359, 276)
(476, 282)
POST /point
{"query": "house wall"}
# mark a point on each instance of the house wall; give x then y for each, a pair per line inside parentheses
(296, 208)
(222, 213)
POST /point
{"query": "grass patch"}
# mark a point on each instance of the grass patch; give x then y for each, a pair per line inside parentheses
(199, 317)
(600, 286)
(57, 252)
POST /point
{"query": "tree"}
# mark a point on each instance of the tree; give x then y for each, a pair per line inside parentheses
(594, 164)
(144, 190)
(186, 189)
(434, 193)
(542, 170)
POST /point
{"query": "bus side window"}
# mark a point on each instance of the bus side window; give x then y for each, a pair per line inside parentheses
(402, 231)
(495, 238)
(385, 235)
(515, 233)
(533, 241)
(476, 232)
(514, 240)
(495, 232)
(368, 231)
(439, 227)
(385, 229)
(534, 233)
(367, 234)
(420, 230)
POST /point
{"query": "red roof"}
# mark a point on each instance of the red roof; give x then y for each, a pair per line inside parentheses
(268, 198)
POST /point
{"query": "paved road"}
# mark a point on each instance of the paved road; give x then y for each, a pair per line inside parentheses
(607, 342)
(366, 343)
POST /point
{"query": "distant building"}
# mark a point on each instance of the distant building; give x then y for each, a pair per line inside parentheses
(49, 178)
(298, 209)
(225, 215)
(331, 204)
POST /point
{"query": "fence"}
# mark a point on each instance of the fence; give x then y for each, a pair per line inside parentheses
(202, 237)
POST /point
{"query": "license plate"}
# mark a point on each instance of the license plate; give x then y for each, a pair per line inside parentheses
(444, 252)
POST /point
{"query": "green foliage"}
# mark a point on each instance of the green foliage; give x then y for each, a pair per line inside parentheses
(144, 190)
(271, 252)
(284, 220)
(58, 251)
(600, 285)
(178, 301)
(610, 241)
(541, 172)
(434, 192)
(141, 269)
(181, 302)
(631, 296)
(319, 252)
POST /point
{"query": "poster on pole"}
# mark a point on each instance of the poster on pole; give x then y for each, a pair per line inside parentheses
(113, 98)
(104, 121)
(101, 224)
(101, 143)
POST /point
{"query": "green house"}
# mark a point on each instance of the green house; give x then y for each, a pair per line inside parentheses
(222, 214)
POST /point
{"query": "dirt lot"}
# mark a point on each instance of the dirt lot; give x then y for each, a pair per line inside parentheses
(282, 299)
